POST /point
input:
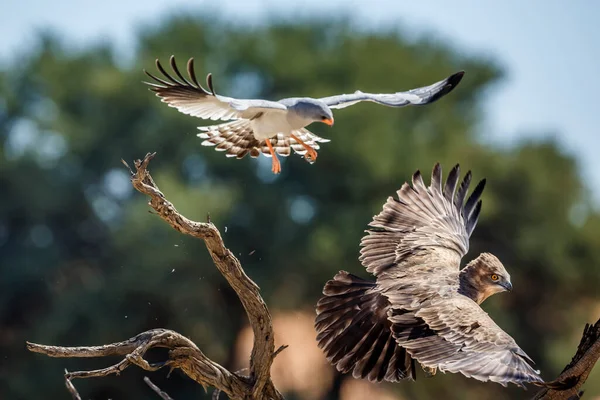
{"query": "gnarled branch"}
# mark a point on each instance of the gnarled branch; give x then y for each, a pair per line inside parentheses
(183, 353)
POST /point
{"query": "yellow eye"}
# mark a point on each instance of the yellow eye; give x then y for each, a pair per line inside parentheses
(494, 277)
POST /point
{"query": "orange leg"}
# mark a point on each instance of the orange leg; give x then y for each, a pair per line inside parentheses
(276, 166)
(311, 154)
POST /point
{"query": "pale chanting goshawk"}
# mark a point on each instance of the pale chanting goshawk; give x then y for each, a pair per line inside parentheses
(271, 127)
(422, 306)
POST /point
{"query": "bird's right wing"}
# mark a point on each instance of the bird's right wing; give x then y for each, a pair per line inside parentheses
(419, 96)
(455, 335)
(424, 227)
(189, 97)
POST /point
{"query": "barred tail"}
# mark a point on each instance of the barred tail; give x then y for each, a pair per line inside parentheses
(353, 331)
(237, 139)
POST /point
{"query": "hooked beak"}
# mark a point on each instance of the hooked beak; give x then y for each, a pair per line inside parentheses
(507, 285)
(327, 121)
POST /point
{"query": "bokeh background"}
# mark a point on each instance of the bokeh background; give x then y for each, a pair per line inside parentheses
(82, 261)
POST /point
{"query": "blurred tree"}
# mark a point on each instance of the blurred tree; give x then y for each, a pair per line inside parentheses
(82, 262)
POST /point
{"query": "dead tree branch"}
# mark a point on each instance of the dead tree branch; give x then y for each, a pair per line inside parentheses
(183, 353)
(568, 385)
(163, 395)
(71, 388)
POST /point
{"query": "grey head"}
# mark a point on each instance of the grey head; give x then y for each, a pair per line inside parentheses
(310, 109)
(483, 277)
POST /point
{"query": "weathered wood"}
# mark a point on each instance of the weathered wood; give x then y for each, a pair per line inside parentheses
(568, 385)
(183, 353)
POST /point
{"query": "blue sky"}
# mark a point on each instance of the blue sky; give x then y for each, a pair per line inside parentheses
(550, 50)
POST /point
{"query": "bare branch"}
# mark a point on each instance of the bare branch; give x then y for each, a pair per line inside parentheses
(114, 349)
(163, 395)
(248, 292)
(183, 353)
(71, 388)
(280, 349)
(568, 385)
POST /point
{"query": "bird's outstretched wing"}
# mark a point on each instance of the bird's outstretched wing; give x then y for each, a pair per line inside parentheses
(419, 96)
(425, 225)
(455, 335)
(355, 334)
(189, 97)
(414, 247)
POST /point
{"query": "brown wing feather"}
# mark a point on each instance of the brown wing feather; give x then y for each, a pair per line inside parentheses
(354, 332)
(443, 329)
(468, 341)
(423, 220)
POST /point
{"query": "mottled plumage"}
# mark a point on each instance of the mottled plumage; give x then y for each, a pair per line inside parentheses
(270, 127)
(421, 301)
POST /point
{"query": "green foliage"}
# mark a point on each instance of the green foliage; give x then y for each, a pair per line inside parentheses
(82, 262)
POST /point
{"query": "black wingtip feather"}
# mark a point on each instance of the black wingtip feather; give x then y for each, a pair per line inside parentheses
(436, 178)
(472, 221)
(473, 199)
(446, 86)
(169, 82)
(148, 74)
(462, 190)
(454, 80)
(417, 179)
(176, 70)
(209, 83)
(192, 72)
(164, 83)
(451, 181)
(164, 72)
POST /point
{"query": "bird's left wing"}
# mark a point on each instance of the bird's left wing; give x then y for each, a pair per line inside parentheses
(423, 227)
(456, 335)
(419, 96)
(189, 97)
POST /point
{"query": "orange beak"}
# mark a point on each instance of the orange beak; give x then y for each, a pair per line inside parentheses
(328, 121)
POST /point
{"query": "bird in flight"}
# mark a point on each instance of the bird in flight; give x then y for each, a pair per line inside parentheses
(422, 306)
(270, 127)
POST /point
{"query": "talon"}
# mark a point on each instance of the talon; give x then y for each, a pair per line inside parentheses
(311, 154)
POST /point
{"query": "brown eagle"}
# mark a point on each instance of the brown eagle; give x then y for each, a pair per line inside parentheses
(422, 306)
